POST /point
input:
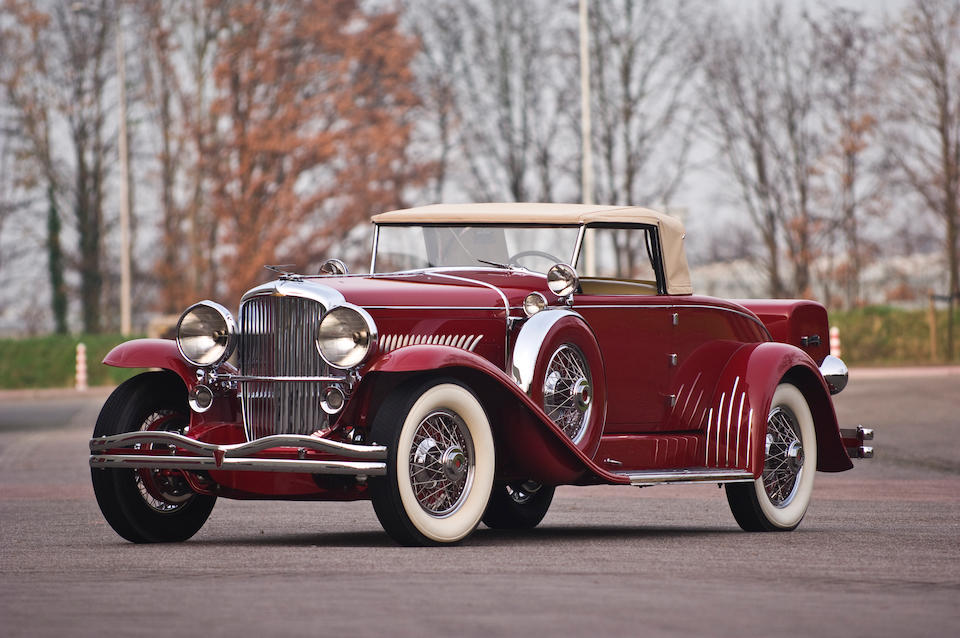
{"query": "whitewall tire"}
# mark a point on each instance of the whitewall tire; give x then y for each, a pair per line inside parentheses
(440, 466)
(778, 500)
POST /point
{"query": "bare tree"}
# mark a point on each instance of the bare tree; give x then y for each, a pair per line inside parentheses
(851, 188)
(760, 91)
(924, 120)
(499, 75)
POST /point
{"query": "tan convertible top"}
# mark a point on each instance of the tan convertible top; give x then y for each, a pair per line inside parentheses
(670, 228)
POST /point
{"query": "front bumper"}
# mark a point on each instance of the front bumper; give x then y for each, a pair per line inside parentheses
(277, 453)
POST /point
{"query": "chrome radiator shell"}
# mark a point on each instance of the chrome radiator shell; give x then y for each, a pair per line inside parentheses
(277, 347)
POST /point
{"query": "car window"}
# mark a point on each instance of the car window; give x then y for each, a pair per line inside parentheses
(618, 253)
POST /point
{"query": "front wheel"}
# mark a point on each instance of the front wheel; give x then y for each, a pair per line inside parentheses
(440, 464)
(778, 499)
(142, 505)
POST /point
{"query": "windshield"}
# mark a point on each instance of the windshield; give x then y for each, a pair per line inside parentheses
(535, 248)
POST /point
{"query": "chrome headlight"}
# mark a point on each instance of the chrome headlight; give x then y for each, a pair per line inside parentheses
(345, 336)
(206, 334)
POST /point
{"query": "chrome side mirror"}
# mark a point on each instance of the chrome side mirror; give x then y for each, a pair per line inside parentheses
(333, 267)
(562, 280)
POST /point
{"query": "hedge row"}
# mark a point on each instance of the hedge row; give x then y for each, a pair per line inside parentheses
(50, 362)
(876, 335)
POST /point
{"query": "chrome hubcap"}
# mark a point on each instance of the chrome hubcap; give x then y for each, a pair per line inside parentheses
(441, 463)
(784, 457)
(567, 393)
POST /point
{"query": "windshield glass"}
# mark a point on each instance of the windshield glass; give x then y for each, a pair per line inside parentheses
(533, 248)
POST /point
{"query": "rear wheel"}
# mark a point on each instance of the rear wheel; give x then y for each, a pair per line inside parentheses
(518, 505)
(143, 505)
(440, 463)
(778, 500)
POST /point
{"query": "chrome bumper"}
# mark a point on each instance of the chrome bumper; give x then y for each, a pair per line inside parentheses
(853, 439)
(167, 450)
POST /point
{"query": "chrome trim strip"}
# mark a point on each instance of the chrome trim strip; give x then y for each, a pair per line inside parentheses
(247, 377)
(373, 251)
(706, 439)
(716, 461)
(749, 436)
(660, 477)
(743, 397)
(577, 247)
(433, 308)
(129, 439)
(733, 393)
(355, 468)
(506, 307)
(523, 360)
(755, 320)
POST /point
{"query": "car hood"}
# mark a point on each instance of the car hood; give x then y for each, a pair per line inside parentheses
(456, 288)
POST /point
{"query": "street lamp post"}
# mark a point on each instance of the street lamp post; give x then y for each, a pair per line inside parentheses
(124, 187)
(586, 150)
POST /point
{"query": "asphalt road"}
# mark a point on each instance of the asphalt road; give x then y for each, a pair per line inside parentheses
(877, 555)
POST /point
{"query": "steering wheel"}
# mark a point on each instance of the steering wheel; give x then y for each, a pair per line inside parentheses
(533, 253)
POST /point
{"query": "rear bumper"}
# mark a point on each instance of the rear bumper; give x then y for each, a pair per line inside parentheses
(278, 453)
(853, 439)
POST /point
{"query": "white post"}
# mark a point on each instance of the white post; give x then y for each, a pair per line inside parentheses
(124, 187)
(835, 341)
(81, 367)
(586, 152)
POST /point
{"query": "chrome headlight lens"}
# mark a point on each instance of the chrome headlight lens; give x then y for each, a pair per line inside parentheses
(206, 334)
(345, 336)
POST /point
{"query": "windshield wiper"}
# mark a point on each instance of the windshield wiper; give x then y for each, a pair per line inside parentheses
(494, 263)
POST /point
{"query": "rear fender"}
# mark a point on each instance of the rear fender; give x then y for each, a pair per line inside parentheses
(529, 445)
(737, 417)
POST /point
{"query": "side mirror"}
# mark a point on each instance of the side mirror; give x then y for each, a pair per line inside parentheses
(562, 280)
(333, 267)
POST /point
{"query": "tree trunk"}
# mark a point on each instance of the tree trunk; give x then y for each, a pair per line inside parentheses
(58, 289)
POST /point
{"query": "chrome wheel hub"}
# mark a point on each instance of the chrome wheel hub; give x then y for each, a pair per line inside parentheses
(441, 463)
(567, 392)
(454, 463)
(784, 457)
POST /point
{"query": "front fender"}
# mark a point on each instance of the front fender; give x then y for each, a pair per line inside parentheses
(152, 353)
(529, 444)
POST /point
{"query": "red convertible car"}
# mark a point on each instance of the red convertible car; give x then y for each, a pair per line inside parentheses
(492, 353)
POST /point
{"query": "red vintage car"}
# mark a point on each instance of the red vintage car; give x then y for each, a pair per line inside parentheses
(492, 353)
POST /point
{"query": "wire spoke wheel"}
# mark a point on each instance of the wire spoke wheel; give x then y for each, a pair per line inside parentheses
(567, 391)
(784, 456)
(164, 491)
(441, 462)
(778, 499)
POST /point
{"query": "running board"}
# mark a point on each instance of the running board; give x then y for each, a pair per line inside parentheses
(645, 478)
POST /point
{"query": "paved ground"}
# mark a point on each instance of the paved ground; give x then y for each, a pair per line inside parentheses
(877, 555)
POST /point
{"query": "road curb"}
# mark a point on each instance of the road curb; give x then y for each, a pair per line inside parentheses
(904, 372)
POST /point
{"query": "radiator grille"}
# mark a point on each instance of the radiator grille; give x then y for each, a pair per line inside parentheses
(278, 339)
